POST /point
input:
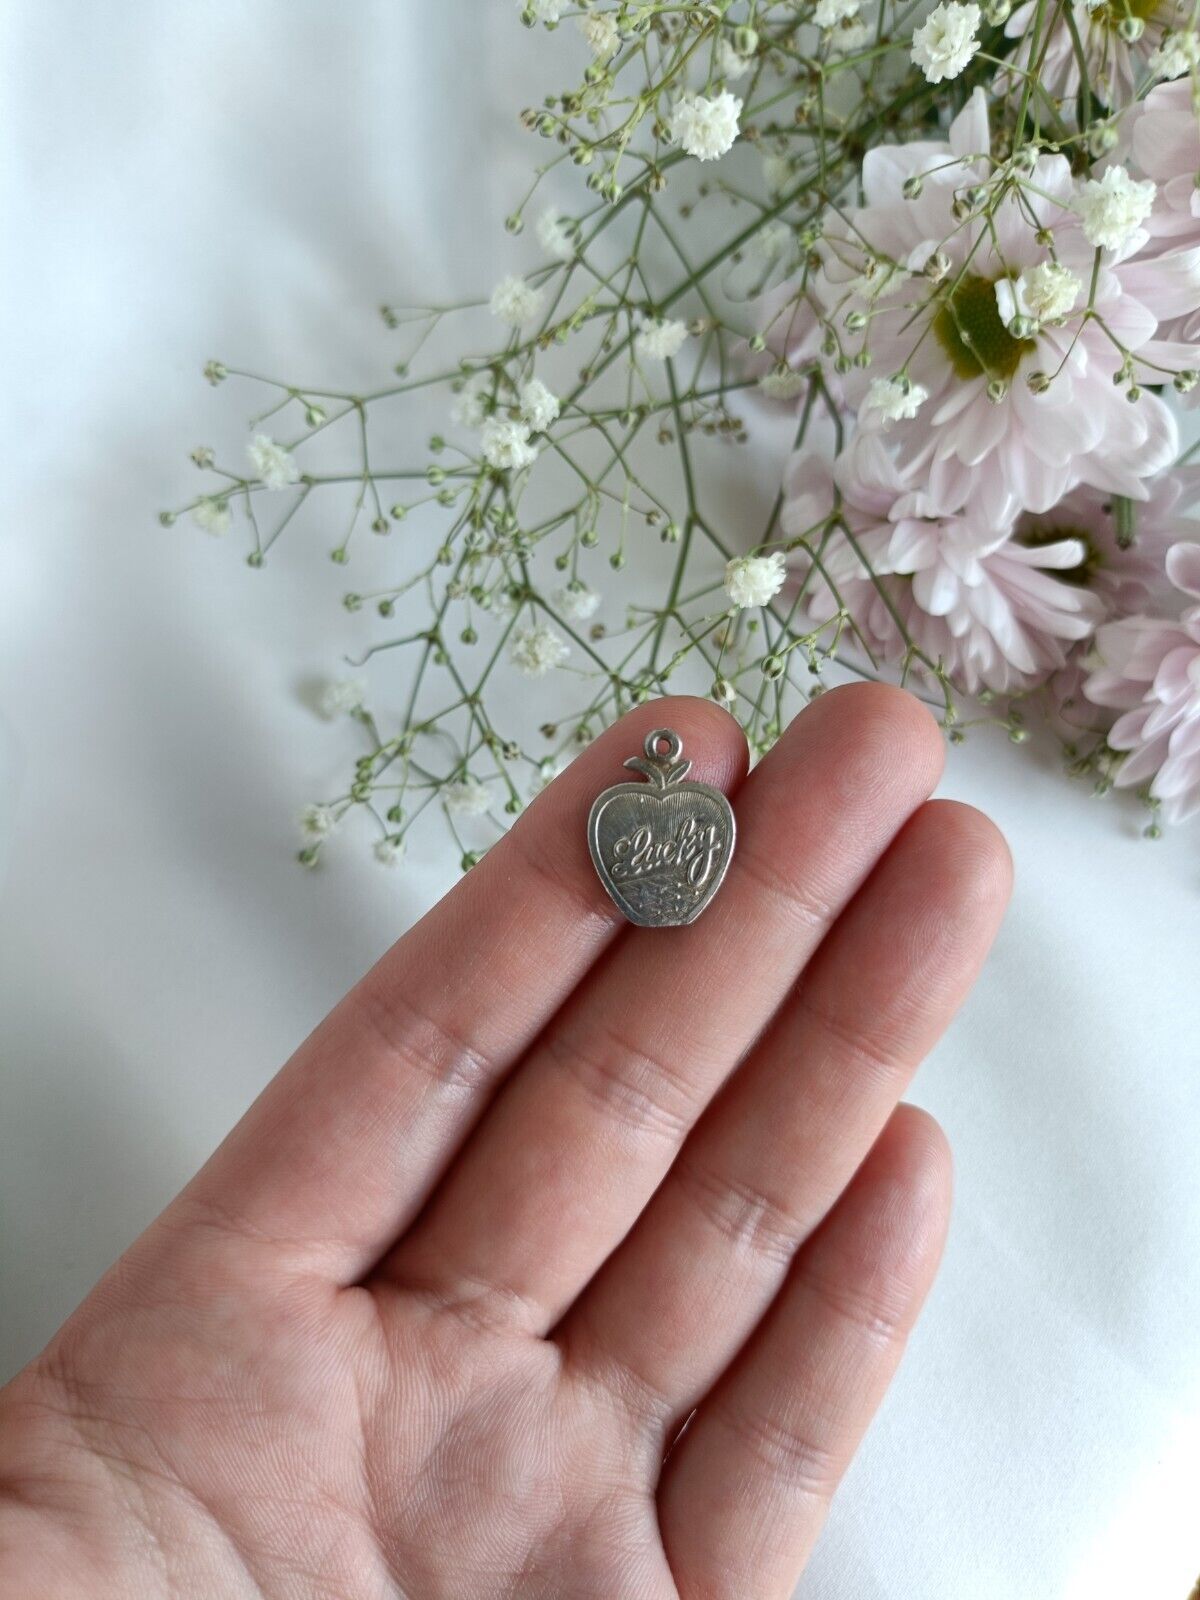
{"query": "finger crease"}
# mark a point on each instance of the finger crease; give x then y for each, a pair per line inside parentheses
(641, 1091)
(742, 1213)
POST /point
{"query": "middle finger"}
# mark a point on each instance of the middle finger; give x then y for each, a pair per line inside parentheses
(579, 1140)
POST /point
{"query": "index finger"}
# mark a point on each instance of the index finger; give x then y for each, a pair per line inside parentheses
(343, 1147)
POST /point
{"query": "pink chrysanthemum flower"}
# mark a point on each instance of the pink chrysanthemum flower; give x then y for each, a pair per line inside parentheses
(1149, 669)
(992, 610)
(987, 319)
(1124, 569)
(1165, 145)
(1114, 63)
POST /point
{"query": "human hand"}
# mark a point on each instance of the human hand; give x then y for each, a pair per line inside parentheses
(539, 1191)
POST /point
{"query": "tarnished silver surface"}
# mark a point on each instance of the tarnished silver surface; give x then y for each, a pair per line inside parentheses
(661, 848)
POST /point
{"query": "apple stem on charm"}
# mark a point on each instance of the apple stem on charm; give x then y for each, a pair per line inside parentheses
(662, 767)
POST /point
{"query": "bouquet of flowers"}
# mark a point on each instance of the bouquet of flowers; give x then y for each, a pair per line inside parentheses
(944, 263)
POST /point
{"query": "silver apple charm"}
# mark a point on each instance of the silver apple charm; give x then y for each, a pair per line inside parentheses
(661, 849)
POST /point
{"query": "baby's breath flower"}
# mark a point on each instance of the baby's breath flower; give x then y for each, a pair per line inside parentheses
(554, 235)
(848, 36)
(466, 798)
(317, 822)
(777, 170)
(339, 696)
(577, 602)
(895, 399)
(1043, 294)
(538, 650)
(706, 127)
(600, 30)
(539, 406)
(545, 10)
(469, 406)
(944, 44)
(731, 63)
(1113, 208)
(659, 340)
(212, 515)
(828, 13)
(783, 384)
(771, 241)
(515, 301)
(547, 771)
(755, 580)
(506, 445)
(1177, 54)
(275, 465)
(389, 852)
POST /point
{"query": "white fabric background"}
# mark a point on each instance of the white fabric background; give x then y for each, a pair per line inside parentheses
(252, 180)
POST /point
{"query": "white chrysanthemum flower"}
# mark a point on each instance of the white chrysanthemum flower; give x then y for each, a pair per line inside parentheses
(317, 822)
(783, 383)
(339, 696)
(389, 852)
(544, 10)
(755, 580)
(1112, 208)
(577, 602)
(212, 515)
(946, 41)
(1045, 293)
(275, 466)
(1177, 54)
(470, 405)
(538, 650)
(602, 34)
(894, 400)
(731, 63)
(659, 340)
(829, 13)
(514, 301)
(706, 127)
(539, 406)
(467, 798)
(770, 242)
(506, 445)
(554, 234)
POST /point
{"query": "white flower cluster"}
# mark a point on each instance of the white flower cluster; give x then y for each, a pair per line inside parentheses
(706, 127)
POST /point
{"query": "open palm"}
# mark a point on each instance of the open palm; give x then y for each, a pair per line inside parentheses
(564, 1259)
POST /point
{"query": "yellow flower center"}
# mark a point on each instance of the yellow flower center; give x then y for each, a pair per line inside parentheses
(969, 330)
(1112, 13)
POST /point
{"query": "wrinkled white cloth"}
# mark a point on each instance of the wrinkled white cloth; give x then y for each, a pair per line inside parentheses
(251, 181)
